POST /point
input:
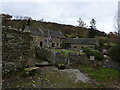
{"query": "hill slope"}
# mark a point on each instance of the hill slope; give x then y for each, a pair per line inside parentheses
(65, 29)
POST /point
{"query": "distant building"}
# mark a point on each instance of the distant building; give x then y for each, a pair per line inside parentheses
(46, 38)
(53, 39)
(78, 43)
(6, 17)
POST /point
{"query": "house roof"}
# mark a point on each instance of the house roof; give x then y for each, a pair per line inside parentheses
(34, 31)
(87, 41)
(44, 32)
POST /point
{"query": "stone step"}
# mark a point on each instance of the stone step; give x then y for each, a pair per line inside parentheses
(45, 63)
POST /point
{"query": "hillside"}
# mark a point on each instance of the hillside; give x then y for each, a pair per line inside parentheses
(65, 29)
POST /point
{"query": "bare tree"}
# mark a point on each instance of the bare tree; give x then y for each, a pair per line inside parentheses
(117, 23)
(42, 20)
(81, 23)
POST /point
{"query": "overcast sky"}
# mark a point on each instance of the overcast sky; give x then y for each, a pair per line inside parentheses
(65, 12)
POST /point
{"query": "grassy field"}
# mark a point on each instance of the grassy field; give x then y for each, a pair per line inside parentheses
(104, 76)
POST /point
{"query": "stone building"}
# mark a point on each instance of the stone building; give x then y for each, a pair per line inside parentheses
(78, 43)
(46, 38)
(53, 39)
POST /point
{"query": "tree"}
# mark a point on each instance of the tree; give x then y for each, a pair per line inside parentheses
(93, 23)
(42, 20)
(26, 18)
(117, 26)
(29, 22)
(81, 23)
(114, 53)
(92, 31)
(113, 37)
(117, 23)
(104, 42)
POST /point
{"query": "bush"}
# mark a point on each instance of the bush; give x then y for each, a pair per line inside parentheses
(63, 45)
(43, 53)
(114, 53)
(27, 73)
(60, 65)
(98, 55)
(87, 51)
(73, 36)
(9, 68)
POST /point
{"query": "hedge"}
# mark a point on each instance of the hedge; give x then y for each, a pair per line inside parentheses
(114, 53)
(98, 55)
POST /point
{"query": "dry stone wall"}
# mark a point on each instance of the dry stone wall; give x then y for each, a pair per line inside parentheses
(16, 49)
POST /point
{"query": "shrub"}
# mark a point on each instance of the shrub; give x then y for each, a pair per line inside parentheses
(27, 73)
(73, 36)
(42, 53)
(9, 68)
(103, 40)
(24, 74)
(98, 55)
(114, 53)
(87, 51)
(60, 65)
(63, 44)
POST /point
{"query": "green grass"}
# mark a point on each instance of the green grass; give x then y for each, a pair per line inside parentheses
(68, 51)
(102, 74)
(82, 85)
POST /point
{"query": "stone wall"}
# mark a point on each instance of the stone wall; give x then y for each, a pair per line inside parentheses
(16, 49)
(58, 57)
(57, 42)
(77, 59)
(79, 46)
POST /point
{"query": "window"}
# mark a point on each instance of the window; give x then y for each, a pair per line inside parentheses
(53, 44)
(5, 35)
(82, 47)
(41, 43)
(57, 44)
(90, 46)
(74, 46)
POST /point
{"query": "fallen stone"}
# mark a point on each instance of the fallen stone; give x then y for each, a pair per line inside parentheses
(77, 75)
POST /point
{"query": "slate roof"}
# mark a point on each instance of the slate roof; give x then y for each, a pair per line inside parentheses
(87, 41)
(34, 31)
(53, 33)
(44, 32)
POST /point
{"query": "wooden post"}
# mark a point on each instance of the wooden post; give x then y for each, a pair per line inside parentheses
(68, 62)
(92, 57)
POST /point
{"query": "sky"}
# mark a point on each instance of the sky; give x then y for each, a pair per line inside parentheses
(65, 12)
